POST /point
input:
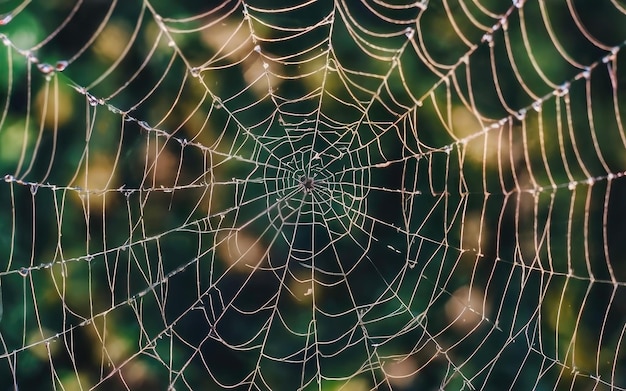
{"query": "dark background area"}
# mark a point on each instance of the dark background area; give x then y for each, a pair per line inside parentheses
(153, 229)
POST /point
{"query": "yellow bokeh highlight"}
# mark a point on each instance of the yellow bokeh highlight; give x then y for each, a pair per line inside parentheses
(42, 350)
(575, 345)
(467, 307)
(241, 251)
(303, 289)
(490, 148)
(53, 104)
(95, 178)
(401, 373)
(72, 382)
(12, 140)
(113, 40)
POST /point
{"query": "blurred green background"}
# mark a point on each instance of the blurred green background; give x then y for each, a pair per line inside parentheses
(159, 237)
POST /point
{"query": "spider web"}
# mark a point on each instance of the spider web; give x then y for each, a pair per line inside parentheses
(312, 195)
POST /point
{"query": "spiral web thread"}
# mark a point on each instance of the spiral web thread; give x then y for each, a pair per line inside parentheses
(315, 195)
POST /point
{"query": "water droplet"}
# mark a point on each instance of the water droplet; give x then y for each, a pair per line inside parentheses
(586, 73)
(61, 65)
(9, 178)
(390, 247)
(518, 3)
(257, 48)
(33, 188)
(45, 68)
(266, 65)
(505, 23)
(608, 58)
(571, 185)
(195, 71)
(409, 32)
(23, 271)
(114, 109)
(590, 181)
(89, 258)
(183, 142)
(79, 89)
(537, 105)
(30, 56)
(6, 20)
(171, 44)
(521, 114)
(447, 149)
(5, 40)
(144, 125)
(562, 90)
(487, 38)
(93, 101)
